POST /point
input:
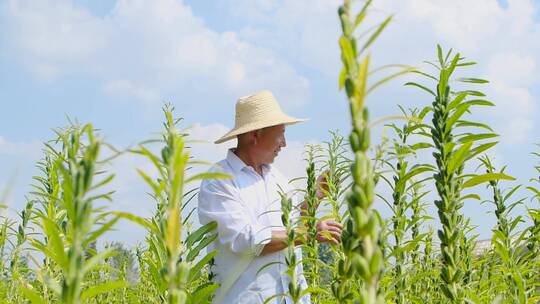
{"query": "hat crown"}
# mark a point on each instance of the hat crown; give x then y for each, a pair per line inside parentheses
(257, 111)
(252, 107)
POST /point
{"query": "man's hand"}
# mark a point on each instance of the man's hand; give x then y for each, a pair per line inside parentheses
(329, 231)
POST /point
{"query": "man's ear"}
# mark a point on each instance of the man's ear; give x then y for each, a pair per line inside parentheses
(255, 136)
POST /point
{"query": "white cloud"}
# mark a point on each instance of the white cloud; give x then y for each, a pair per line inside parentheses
(511, 75)
(144, 50)
(30, 150)
(469, 24)
(303, 30)
(505, 42)
(125, 88)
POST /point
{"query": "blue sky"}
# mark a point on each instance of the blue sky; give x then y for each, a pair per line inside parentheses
(113, 63)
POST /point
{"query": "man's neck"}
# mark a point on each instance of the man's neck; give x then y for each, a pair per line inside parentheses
(249, 159)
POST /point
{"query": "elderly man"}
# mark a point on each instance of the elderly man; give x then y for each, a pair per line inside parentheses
(250, 264)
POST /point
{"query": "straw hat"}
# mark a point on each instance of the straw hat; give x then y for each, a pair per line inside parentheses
(257, 111)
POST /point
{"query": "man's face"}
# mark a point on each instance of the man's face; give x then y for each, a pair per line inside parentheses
(269, 142)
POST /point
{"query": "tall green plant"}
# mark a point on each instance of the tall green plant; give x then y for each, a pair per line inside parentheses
(452, 150)
(402, 181)
(294, 292)
(337, 170)
(507, 244)
(363, 257)
(170, 260)
(310, 219)
(64, 244)
(534, 213)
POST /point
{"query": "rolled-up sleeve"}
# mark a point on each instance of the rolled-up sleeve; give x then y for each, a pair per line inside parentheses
(236, 229)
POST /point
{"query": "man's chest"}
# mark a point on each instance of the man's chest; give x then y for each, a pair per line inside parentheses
(261, 198)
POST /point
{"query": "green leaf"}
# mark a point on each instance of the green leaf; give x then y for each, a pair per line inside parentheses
(96, 259)
(457, 159)
(466, 64)
(424, 112)
(388, 78)
(417, 169)
(475, 137)
(53, 233)
(377, 32)
(347, 52)
(138, 220)
(470, 196)
(424, 74)
(149, 181)
(203, 293)
(453, 65)
(440, 55)
(480, 102)
(481, 148)
(462, 123)
(472, 80)
(421, 145)
(194, 252)
(479, 179)
(460, 110)
(360, 17)
(101, 288)
(457, 101)
(535, 191)
(33, 296)
(195, 270)
(103, 182)
(104, 228)
(421, 87)
(342, 78)
(474, 93)
(198, 234)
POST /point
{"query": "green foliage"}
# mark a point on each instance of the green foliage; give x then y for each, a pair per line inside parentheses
(363, 259)
(310, 219)
(67, 218)
(453, 147)
(171, 261)
(404, 182)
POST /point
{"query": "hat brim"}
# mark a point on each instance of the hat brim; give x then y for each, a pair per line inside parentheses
(285, 120)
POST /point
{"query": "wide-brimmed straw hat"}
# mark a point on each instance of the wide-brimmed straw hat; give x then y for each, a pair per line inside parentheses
(257, 111)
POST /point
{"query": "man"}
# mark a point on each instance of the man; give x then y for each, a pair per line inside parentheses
(250, 264)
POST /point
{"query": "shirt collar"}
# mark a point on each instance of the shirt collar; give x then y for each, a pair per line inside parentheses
(234, 161)
(238, 165)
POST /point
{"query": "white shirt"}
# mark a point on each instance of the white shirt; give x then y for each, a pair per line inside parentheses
(246, 208)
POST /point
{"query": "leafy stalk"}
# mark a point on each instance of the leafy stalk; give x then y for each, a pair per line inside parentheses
(506, 245)
(452, 150)
(403, 180)
(171, 261)
(363, 257)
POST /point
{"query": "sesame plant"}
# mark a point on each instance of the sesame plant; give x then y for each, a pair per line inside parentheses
(170, 260)
(508, 244)
(363, 258)
(534, 213)
(294, 292)
(310, 218)
(403, 180)
(336, 167)
(77, 224)
(455, 143)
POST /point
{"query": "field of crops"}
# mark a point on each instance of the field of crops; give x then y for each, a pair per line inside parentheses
(52, 253)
